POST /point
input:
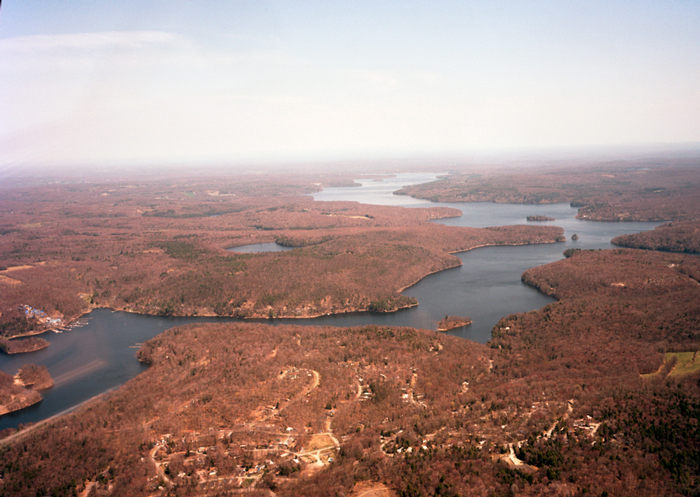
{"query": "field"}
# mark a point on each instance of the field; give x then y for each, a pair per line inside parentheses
(677, 364)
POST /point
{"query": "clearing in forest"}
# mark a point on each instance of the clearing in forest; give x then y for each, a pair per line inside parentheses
(685, 363)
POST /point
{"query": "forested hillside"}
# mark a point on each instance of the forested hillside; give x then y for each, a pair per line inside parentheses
(562, 401)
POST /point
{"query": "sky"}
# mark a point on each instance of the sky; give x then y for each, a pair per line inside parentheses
(204, 81)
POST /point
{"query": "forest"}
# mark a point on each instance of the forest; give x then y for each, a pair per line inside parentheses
(161, 248)
(555, 402)
(595, 394)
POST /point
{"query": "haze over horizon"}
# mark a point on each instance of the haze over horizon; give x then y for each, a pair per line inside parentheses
(103, 82)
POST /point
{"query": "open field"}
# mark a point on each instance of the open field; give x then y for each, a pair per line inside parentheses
(677, 364)
(685, 363)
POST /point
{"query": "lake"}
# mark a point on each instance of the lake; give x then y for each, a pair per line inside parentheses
(100, 356)
(260, 247)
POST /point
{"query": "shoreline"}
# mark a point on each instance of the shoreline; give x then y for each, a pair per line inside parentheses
(265, 316)
(68, 322)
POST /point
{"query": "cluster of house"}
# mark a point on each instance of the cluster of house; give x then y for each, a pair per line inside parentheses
(41, 316)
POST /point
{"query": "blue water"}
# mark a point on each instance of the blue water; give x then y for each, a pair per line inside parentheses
(87, 361)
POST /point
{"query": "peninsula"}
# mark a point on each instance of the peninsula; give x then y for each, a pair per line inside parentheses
(22, 390)
(20, 346)
(451, 322)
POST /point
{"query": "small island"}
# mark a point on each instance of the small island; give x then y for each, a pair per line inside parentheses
(540, 218)
(451, 322)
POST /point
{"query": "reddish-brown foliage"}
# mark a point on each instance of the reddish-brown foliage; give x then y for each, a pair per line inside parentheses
(421, 412)
(160, 249)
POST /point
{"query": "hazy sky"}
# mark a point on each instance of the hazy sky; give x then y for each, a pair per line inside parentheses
(100, 81)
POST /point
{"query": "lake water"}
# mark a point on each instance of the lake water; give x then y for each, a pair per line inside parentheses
(260, 247)
(87, 361)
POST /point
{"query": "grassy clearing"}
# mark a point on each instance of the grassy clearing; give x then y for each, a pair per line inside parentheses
(320, 442)
(685, 363)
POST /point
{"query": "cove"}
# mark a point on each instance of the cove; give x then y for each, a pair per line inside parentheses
(100, 356)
